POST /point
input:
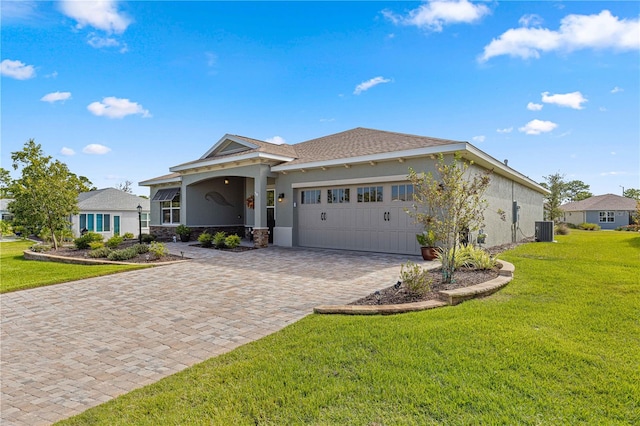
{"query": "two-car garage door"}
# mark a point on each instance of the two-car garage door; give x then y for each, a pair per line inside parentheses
(367, 217)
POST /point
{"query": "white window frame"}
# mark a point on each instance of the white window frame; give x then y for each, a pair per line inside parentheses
(607, 216)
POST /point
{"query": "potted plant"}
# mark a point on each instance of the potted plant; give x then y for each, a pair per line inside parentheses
(427, 241)
(184, 232)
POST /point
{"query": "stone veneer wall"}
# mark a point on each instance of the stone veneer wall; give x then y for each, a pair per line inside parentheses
(166, 233)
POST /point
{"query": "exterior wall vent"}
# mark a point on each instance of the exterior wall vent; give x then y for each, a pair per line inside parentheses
(544, 231)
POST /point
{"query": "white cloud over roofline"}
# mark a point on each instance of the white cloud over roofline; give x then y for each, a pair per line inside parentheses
(531, 106)
(56, 97)
(112, 107)
(101, 14)
(278, 140)
(96, 149)
(601, 31)
(536, 127)
(17, 69)
(571, 100)
(366, 85)
(435, 14)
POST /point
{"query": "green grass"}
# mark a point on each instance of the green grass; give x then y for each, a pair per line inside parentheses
(16, 273)
(559, 345)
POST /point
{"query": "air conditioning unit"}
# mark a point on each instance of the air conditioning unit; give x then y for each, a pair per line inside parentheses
(544, 231)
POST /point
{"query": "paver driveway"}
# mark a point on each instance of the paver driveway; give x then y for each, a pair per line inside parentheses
(68, 347)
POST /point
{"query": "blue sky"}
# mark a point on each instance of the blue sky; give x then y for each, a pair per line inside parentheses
(124, 90)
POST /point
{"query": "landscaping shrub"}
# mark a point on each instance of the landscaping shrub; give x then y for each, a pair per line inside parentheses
(96, 245)
(416, 279)
(470, 256)
(83, 242)
(128, 236)
(61, 235)
(632, 228)
(102, 252)
(141, 248)
(148, 238)
(40, 248)
(205, 239)
(232, 241)
(114, 242)
(158, 250)
(123, 254)
(561, 229)
(218, 239)
(589, 226)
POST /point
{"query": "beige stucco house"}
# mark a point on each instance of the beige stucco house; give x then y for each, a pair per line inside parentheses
(342, 191)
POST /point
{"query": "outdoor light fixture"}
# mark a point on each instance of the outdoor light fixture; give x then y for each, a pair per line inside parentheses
(226, 181)
(280, 197)
(378, 296)
(139, 223)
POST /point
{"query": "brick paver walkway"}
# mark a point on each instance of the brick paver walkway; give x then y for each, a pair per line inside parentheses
(68, 347)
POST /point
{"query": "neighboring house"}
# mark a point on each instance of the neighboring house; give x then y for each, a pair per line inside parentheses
(609, 211)
(5, 214)
(343, 191)
(110, 212)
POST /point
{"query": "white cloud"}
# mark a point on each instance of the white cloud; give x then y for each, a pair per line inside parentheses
(535, 127)
(278, 140)
(52, 75)
(99, 42)
(366, 85)
(212, 58)
(95, 148)
(102, 15)
(602, 31)
(56, 97)
(617, 89)
(505, 130)
(613, 173)
(571, 100)
(434, 14)
(327, 120)
(613, 153)
(480, 138)
(18, 10)
(602, 109)
(534, 107)
(67, 151)
(530, 20)
(17, 69)
(113, 107)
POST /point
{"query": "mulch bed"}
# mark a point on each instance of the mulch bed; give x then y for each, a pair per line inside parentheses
(462, 278)
(147, 258)
(238, 249)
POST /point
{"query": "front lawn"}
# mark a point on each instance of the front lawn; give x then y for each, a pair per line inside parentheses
(16, 273)
(559, 345)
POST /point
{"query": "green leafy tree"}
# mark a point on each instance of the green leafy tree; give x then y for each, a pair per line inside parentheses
(46, 194)
(562, 192)
(449, 203)
(632, 193)
(578, 191)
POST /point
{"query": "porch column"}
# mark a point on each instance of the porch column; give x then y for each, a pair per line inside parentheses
(260, 229)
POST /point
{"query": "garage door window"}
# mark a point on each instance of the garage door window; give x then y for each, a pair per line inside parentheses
(338, 195)
(370, 194)
(402, 192)
(311, 196)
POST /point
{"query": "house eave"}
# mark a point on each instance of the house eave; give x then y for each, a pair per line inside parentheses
(153, 182)
(373, 158)
(234, 161)
(226, 138)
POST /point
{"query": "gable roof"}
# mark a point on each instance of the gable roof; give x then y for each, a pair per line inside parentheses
(360, 142)
(111, 199)
(601, 203)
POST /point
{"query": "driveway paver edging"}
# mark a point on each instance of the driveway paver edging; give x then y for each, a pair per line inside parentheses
(46, 257)
(447, 298)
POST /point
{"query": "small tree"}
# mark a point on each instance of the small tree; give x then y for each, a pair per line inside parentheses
(126, 186)
(46, 195)
(449, 203)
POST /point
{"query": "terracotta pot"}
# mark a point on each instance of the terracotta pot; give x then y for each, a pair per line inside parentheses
(429, 253)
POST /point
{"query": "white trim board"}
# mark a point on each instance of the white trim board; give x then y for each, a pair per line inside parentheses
(354, 181)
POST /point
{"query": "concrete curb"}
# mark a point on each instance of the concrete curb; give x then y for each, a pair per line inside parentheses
(447, 298)
(44, 257)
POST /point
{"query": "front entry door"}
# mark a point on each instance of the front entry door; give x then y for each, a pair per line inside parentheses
(271, 212)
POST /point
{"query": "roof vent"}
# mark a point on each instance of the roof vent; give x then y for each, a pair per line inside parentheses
(506, 162)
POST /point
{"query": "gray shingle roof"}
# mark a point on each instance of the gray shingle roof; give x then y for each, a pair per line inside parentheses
(601, 203)
(111, 199)
(359, 142)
